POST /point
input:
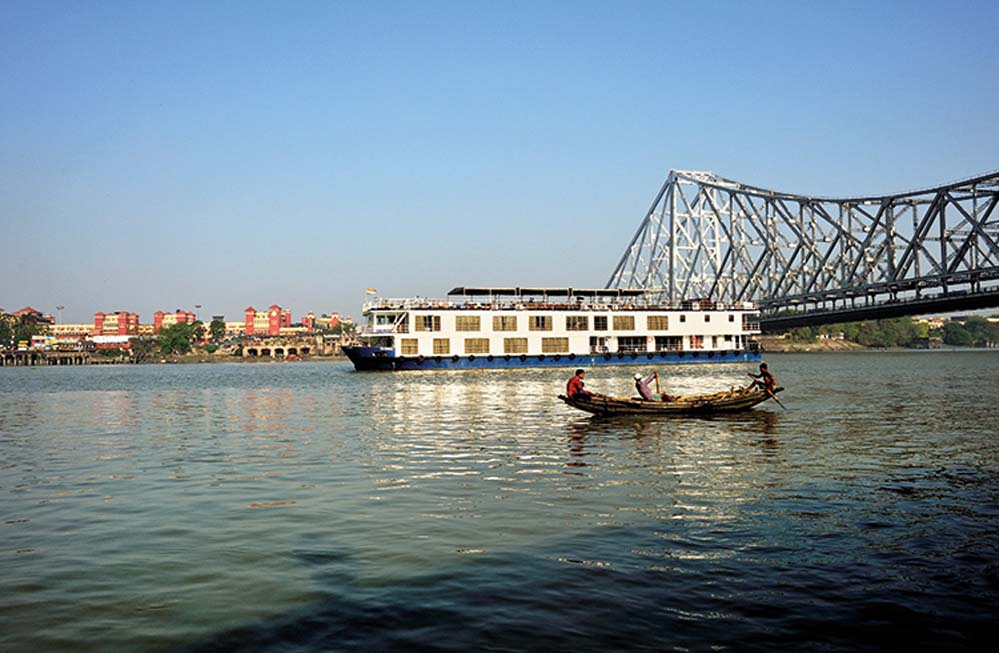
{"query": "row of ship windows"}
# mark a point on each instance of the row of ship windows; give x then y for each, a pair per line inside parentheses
(544, 322)
(442, 346)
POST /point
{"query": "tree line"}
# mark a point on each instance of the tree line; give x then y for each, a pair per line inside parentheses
(903, 332)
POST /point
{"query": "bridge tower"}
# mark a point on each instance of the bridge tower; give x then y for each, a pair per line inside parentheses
(811, 260)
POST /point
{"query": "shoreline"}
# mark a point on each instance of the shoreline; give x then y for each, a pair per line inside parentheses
(194, 359)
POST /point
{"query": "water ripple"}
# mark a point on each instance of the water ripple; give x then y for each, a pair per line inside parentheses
(308, 507)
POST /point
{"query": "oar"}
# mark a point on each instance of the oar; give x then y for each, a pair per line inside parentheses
(774, 397)
(658, 391)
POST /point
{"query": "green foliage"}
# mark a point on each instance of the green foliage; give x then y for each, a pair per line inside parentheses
(902, 332)
(142, 348)
(198, 330)
(6, 332)
(217, 329)
(984, 332)
(896, 332)
(954, 333)
(804, 334)
(974, 332)
(211, 348)
(110, 353)
(344, 328)
(177, 338)
(15, 329)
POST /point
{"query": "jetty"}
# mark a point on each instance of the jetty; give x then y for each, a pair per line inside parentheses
(31, 358)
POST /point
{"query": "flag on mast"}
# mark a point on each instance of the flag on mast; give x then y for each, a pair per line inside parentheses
(371, 291)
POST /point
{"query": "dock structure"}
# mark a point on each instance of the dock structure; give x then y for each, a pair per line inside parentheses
(281, 346)
(32, 358)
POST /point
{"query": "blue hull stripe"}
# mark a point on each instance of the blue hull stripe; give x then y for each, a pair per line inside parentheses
(370, 358)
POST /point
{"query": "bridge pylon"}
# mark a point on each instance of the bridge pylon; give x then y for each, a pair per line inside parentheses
(816, 260)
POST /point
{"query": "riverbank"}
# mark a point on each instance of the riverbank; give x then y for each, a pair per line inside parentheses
(203, 357)
(780, 344)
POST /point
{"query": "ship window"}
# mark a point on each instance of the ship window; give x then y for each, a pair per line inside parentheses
(624, 322)
(658, 323)
(668, 343)
(442, 346)
(577, 323)
(707, 318)
(428, 322)
(504, 323)
(540, 322)
(514, 345)
(697, 342)
(466, 323)
(632, 343)
(731, 318)
(683, 318)
(410, 347)
(714, 342)
(599, 322)
(476, 345)
(554, 345)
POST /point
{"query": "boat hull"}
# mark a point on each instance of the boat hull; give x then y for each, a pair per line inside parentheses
(367, 358)
(721, 402)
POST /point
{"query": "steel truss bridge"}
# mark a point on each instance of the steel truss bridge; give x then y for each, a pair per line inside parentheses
(813, 260)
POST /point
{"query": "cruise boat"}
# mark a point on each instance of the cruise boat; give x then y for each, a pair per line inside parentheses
(551, 327)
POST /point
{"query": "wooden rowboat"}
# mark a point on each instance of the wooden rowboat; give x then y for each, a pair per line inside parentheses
(728, 401)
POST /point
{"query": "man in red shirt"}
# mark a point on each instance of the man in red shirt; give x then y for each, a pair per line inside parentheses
(574, 388)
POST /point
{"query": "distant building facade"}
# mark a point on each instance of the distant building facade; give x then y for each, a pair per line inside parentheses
(121, 323)
(161, 319)
(265, 323)
(31, 315)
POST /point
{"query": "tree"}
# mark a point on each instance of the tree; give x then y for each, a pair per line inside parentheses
(198, 330)
(24, 329)
(803, 334)
(6, 333)
(142, 348)
(176, 338)
(15, 329)
(217, 329)
(955, 334)
(344, 328)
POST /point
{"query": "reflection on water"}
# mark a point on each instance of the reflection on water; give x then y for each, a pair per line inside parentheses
(305, 507)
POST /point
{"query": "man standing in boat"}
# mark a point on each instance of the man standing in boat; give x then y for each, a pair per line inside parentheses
(574, 388)
(764, 380)
(642, 386)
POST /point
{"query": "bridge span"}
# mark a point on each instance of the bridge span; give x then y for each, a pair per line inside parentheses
(815, 260)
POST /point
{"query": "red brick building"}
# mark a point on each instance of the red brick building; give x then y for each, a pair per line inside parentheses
(33, 316)
(161, 319)
(266, 323)
(121, 323)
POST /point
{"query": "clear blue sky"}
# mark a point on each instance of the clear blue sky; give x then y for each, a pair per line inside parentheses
(158, 155)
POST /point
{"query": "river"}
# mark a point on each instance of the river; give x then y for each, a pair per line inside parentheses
(305, 506)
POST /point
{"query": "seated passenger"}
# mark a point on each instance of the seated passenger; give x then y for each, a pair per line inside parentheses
(642, 386)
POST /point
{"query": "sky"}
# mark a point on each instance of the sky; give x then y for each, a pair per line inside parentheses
(156, 155)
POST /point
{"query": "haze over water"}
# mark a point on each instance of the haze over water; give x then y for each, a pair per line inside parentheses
(302, 507)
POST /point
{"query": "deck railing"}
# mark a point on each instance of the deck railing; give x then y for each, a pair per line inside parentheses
(421, 303)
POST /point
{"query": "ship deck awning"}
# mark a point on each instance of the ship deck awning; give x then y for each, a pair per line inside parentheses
(483, 291)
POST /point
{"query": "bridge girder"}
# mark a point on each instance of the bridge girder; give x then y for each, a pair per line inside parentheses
(707, 236)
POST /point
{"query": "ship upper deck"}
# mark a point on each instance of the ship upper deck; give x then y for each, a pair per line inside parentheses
(466, 298)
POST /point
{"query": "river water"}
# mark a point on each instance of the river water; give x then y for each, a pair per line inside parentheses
(304, 507)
